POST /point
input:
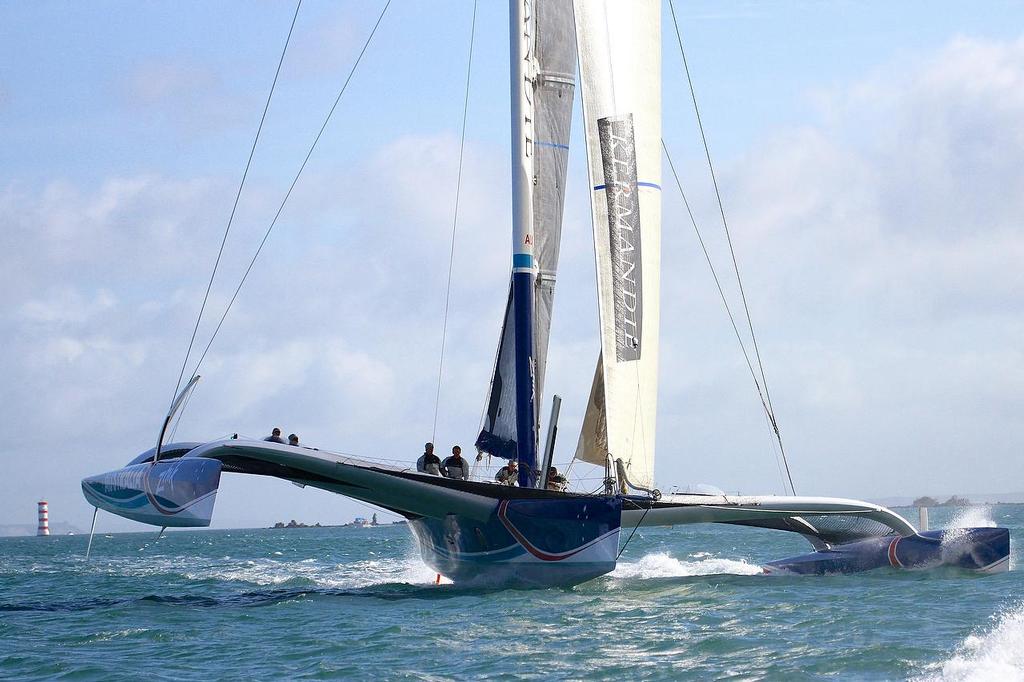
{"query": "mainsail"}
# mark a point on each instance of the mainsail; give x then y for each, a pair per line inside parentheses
(619, 44)
(547, 89)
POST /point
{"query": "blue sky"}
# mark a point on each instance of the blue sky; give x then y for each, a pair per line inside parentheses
(872, 162)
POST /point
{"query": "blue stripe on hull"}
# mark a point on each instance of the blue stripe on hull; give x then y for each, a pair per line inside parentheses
(525, 543)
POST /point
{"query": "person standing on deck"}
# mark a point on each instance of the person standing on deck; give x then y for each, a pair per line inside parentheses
(455, 466)
(275, 436)
(429, 463)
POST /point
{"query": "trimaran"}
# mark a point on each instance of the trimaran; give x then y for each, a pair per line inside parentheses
(479, 532)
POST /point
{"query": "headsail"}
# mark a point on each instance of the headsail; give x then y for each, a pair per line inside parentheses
(619, 43)
(551, 79)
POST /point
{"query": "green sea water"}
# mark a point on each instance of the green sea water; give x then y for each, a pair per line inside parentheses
(687, 602)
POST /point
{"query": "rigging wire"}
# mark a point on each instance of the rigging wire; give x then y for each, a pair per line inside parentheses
(642, 517)
(775, 453)
(455, 223)
(234, 206)
(721, 291)
(732, 252)
(295, 180)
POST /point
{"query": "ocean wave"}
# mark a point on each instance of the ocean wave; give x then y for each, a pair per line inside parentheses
(268, 571)
(663, 565)
(997, 654)
(357, 574)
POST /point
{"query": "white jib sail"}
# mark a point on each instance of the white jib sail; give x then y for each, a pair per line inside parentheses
(619, 44)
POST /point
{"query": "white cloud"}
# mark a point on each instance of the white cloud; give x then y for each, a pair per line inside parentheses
(66, 305)
(182, 95)
(159, 83)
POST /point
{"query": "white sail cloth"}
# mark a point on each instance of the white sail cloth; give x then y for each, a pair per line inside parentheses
(619, 44)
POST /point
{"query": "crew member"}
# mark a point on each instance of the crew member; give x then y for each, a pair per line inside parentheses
(293, 440)
(455, 466)
(429, 463)
(275, 436)
(556, 481)
(508, 474)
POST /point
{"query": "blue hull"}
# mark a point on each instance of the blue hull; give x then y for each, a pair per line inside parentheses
(178, 493)
(525, 542)
(986, 550)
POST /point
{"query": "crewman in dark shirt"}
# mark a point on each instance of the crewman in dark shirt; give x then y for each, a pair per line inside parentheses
(275, 436)
(455, 466)
(429, 463)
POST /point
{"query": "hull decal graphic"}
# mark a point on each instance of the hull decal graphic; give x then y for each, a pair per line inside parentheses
(540, 554)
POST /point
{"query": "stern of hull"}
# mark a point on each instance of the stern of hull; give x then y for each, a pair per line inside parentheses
(525, 543)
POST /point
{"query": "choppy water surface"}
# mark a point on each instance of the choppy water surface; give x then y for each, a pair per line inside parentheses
(685, 602)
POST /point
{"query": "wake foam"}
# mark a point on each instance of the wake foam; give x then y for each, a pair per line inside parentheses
(994, 655)
(412, 571)
(972, 517)
(273, 571)
(359, 574)
(965, 519)
(661, 565)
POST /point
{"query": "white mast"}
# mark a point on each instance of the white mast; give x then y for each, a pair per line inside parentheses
(523, 72)
(522, 30)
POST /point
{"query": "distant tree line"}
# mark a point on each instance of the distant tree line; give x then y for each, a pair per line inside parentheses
(954, 501)
(294, 524)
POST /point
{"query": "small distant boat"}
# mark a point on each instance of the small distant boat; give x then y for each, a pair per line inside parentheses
(527, 535)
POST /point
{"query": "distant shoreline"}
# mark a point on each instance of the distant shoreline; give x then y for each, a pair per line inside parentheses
(281, 525)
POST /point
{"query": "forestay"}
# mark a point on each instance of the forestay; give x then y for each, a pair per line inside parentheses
(619, 43)
(546, 153)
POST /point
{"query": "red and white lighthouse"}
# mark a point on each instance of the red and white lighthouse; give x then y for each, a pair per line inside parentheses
(44, 518)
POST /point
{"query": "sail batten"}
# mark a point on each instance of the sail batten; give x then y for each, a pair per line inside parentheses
(620, 75)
